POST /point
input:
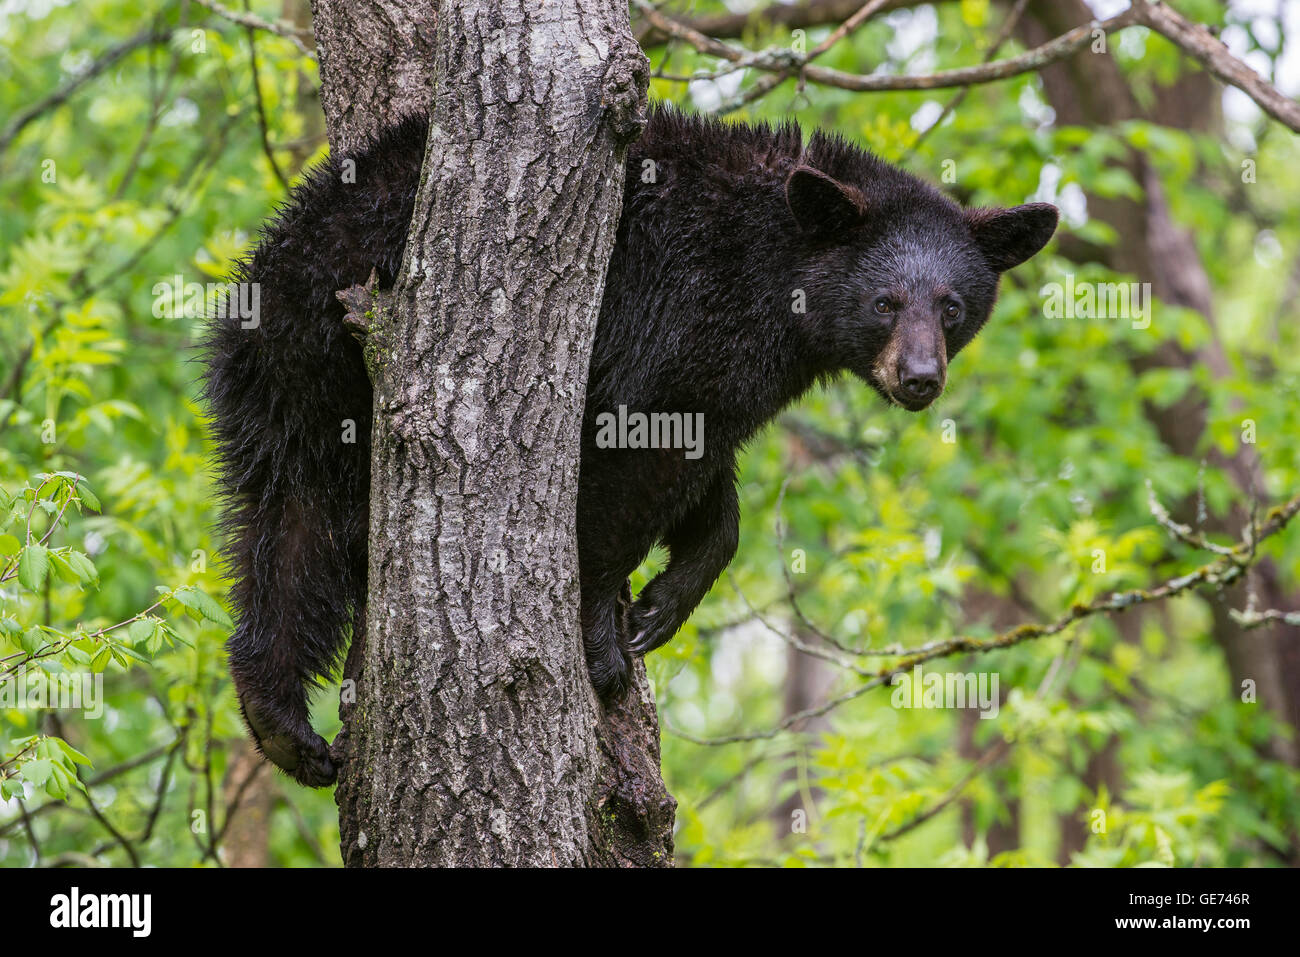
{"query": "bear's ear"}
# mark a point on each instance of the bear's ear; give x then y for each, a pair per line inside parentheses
(1008, 237)
(822, 205)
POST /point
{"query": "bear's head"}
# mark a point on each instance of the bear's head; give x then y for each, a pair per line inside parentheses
(899, 278)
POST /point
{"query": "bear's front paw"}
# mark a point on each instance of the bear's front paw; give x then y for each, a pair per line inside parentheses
(649, 626)
(292, 746)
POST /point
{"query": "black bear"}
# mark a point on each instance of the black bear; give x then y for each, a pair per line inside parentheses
(748, 266)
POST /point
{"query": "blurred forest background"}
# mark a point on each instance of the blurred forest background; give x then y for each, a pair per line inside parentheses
(142, 144)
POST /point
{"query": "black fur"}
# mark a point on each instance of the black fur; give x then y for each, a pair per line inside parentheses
(716, 239)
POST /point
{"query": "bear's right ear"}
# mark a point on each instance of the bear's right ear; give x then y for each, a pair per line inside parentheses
(821, 205)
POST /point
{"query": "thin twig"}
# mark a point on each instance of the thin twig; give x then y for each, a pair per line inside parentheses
(103, 62)
(262, 124)
(1256, 619)
(254, 22)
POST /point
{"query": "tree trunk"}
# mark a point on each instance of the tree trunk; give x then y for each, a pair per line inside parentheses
(475, 738)
(376, 65)
(807, 681)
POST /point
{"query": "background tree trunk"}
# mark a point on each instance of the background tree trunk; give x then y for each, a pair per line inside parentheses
(475, 738)
(248, 793)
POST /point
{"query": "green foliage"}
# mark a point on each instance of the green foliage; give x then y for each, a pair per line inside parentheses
(1121, 742)
(1020, 494)
(108, 562)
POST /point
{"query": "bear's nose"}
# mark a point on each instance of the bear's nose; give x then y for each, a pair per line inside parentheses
(918, 379)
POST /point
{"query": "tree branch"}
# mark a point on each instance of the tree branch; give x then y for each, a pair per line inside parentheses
(1031, 61)
(1194, 40)
(110, 57)
(1222, 571)
(254, 22)
(1208, 50)
(812, 13)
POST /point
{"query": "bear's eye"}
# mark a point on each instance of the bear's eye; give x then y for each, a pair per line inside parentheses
(951, 312)
(882, 306)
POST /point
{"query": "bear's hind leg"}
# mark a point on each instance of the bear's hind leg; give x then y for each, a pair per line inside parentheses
(300, 575)
(607, 663)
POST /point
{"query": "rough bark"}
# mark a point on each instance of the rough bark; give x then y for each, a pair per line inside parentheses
(376, 64)
(475, 738)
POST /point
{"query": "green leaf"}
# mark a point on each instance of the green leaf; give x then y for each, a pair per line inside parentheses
(84, 567)
(63, 568)
(88, 498)
(33, 566)
(32, 640)
(205, 605)
(73, 754)
(141, 630)
(79, 656)
(56, 786)
(37, 771)
(213, 611)
(128, 652)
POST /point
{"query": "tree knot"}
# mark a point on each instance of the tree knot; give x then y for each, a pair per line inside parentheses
(623, 89)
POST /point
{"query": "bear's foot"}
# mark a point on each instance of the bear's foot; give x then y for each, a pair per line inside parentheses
(292, 746)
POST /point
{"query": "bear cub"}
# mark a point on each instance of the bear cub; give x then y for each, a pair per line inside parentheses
(748, 266)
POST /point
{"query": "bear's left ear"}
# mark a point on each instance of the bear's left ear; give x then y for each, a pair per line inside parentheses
(821, 204)
(1008, 237)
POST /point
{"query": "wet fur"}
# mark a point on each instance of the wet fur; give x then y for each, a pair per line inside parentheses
(697, 317)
